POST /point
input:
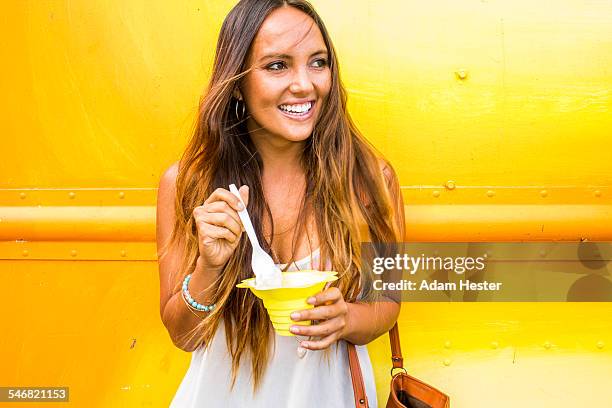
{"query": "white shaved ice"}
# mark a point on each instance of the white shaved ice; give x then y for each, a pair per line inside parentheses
(290, 280)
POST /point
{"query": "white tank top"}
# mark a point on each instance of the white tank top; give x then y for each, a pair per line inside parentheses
(289, 381)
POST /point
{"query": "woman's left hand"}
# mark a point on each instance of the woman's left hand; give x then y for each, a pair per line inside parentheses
(332, 312)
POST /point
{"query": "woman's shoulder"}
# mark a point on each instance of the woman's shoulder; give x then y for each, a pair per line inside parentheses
(169, 175)
(167, 190)
(168, 179)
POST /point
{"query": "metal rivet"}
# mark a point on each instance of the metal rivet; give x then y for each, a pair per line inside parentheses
(461, 74)
(450, 185)
(494, 344)
(71, 195)
(547, 345)
(121, 195)
(600, 344)
(123, 253)
(490, 193)
(446, 362)
(597, 193)
(543, 193)
(22, 195)
(25, 252)
(436, 193)
(447, 344)
(73, 253)
(362, 401)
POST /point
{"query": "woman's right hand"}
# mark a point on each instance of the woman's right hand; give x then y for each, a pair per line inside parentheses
(219, 227)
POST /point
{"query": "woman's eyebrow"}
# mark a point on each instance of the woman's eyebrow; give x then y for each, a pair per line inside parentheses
(288, 57)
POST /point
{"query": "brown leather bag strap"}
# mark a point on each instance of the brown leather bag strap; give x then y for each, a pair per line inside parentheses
(361, 399)
(396, 348)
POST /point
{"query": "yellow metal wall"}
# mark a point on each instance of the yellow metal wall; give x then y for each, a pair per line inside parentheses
(496, 115)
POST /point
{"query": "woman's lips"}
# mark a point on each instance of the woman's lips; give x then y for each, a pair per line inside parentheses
(298, 116)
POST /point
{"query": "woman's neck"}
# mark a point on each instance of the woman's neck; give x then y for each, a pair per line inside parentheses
(281, 158)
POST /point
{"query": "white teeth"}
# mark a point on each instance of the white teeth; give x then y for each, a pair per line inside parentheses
(298, 108)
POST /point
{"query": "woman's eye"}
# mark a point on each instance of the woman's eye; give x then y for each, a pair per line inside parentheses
(276, 66)
(320, 63)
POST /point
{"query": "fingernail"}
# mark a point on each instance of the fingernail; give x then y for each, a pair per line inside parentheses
(312, 300)
(304, 344)
(294, 329)
(295, 316)
(240, 206)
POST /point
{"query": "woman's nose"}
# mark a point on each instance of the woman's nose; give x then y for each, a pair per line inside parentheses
(301, 83)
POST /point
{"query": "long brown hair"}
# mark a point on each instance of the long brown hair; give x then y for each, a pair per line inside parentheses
(342, 171)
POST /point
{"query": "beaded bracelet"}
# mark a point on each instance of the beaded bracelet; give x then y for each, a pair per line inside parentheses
(191, 309)
(191, 302)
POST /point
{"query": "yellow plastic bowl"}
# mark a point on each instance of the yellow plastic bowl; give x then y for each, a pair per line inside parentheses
(281, 302)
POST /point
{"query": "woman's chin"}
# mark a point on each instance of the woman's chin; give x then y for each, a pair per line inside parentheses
(297, 135)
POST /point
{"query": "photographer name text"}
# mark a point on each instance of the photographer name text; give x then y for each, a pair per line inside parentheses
(434, 285)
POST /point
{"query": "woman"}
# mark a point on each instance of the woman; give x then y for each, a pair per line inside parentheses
(274, 121)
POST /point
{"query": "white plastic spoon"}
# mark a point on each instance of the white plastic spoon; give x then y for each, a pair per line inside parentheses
(267, 274)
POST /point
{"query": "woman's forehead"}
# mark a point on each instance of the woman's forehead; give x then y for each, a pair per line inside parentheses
(289, 31)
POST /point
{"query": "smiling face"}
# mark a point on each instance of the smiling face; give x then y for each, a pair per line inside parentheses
(289, 79)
